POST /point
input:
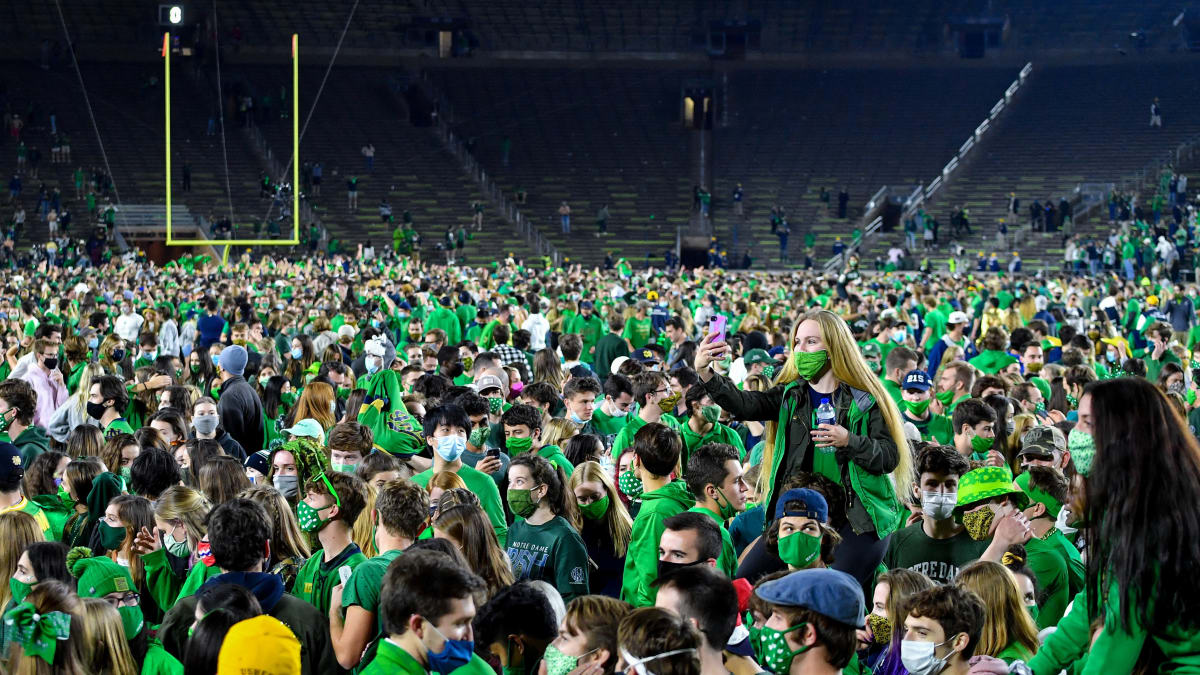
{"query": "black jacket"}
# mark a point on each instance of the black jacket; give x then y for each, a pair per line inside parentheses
(241, 413)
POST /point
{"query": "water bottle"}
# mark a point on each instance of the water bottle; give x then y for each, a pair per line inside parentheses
(825, 413)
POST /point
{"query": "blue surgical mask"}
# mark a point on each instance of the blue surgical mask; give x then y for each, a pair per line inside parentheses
(451, 448)
(297, 352)
(93, 342)
(454, 655)
(216, 358)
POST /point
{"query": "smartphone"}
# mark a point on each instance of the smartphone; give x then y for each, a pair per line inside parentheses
(716, 327)
(492, 452)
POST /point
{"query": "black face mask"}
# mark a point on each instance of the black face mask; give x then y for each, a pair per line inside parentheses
(118, 354)
(51, 362)
(95, 410)
(666, 567)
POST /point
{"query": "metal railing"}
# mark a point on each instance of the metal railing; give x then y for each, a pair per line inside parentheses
(925, 192)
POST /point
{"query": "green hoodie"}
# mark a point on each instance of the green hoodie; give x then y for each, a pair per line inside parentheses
(31, 443)
(554, 455)
(992, 361)
(641, 559)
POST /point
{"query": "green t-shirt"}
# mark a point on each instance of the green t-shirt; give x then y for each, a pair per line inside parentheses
(316, 579)
(364, 587)
(606, 425)
(935, 321)
(390, 659)
(637, 331)
(1049, 566)
(937, 428)
(893, 390)
(552, 552)
(719, 433)
(938, 559)
(485, 488)
(634, 422)
(118, 426)
(1076, 570)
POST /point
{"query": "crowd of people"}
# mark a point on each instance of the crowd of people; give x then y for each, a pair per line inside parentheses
(337, 464)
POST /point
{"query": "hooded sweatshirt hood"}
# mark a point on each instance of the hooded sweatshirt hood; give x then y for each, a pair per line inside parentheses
(675, 492)
(267, 588)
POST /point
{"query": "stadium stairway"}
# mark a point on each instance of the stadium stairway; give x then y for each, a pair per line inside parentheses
(1045, 146)
(794, 132)
(413, 170)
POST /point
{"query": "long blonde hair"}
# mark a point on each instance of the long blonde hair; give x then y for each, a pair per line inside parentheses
(1005, 619)
(617, 519)
(104, 638)
(849, 368)
(17, 530)
(557, 431)
(187, 506)
(287, 541)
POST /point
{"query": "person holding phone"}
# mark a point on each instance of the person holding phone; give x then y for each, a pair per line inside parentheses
(857, 453)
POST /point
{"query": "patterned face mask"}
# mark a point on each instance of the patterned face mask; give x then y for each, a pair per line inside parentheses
(774, 653)
(630, 485)
(979, 523)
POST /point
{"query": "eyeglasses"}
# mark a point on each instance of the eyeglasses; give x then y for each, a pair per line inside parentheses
(127, 600)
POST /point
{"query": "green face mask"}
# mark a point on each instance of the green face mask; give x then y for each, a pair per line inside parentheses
(979, 523)
(131, 620)
(478, 436)
(711, 413)
(262, 381)
(344, 468)
(810, 364)
(309, 518)
(126, 473)
(918, 408)
(595, 510)
(521, 502)
(774, 653)
(495, 405)
(288, 398)
(799, 549)
(343, 392)
(726, 509)
(111, 537)
(630, 485)
(981, 445)
(1033, 611)
(946, 397)
(19, 589)
(517, 446)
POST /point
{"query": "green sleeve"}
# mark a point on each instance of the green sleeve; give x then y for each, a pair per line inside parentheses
(641, 561)
(732, 438)
(1116, 650)
(728, 561)
(628, 332)
(196, 577)
(571, 568)
(159, 662)
(489, 499)
(1066, 644)
(161, 581)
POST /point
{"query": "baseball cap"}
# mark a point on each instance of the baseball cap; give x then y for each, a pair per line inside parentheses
(486, 382)
(757, 356)
(616, 364)
(346, 331)
(957, 317)
(871, 351)
(803, 502)
(828, 592)
(917, 379)
(10, 463)
(643, 355)
(1043, 441)
(586, 304)
(307, 428)
(262, 645)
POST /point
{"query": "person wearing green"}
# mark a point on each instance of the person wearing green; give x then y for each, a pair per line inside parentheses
(993, 358)
(542, 544)
(106, 400)
(427, 606)
(638, 327)
(331, 504)
(610, 346)
(1047, 491)
(401, 509)
(466, 311)
(656, 449)
(1158, 354)
(914, 408)
(900, 361)
(714, 476)
(702, 425)
(443, 317)
(446, 430)
(17, 407)
(588, 326)
(613, 412)
(655, 398)
(861, 450)
(974, 425)
(522, 435)
(935, 323)
(954, 386)
(102, 577)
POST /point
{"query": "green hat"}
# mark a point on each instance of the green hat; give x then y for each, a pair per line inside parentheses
(97, 576)
(1042, 386)
(870, 350)
(1053, 506)
(985, 483)
(757, 356)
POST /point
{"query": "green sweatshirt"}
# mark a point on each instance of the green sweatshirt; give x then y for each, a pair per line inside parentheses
(719, 433)
(624, 438)
(1049, 566)
(552, 552)
(727, 561)
(31, 443)
(641, 558)
(992, 361)
(554, 455)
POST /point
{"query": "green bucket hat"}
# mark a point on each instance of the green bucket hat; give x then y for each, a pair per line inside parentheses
(97, 577)
(1053, 506)
(985, 483)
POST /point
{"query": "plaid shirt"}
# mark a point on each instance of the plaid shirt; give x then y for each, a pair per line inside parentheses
(509, 355)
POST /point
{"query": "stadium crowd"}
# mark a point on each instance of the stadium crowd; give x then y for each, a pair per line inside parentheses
(333, 464)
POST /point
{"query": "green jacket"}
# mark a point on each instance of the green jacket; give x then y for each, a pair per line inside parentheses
(31, 443)
(554, 455)
(641, 558)
(57, 508)
(863, 465)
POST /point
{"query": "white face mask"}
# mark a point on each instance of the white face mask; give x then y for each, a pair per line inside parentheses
(938, 505)
(918, 657)
(1064, 517)
(638, 666)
